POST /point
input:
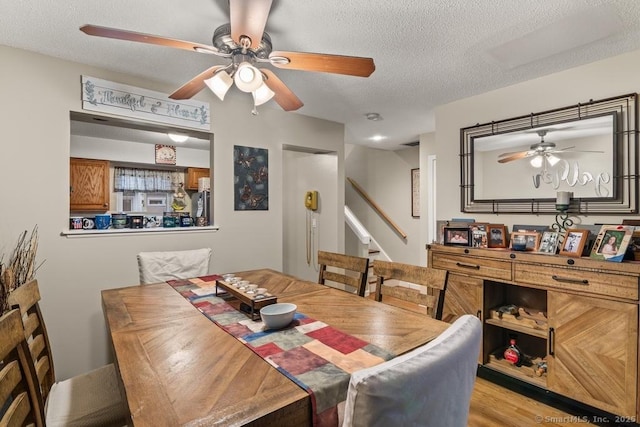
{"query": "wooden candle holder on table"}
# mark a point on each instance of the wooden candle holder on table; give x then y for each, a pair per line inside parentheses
(250, 304)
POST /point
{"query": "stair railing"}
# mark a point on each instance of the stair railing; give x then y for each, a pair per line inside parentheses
(377, 208)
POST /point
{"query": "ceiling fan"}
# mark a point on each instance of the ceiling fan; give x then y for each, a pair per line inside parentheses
(245, 43)
(540, 152)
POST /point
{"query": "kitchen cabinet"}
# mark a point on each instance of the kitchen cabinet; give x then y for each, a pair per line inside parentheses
(89, 185)
(578, 315)
(193, 174)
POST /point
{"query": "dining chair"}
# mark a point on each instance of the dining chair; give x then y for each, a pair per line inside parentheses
(425, 290)
(348, 270)
(19, 400)
(157, 267)
(89, 399)
(428, 386)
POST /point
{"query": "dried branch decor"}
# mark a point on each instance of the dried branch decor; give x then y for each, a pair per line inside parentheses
(20, 267)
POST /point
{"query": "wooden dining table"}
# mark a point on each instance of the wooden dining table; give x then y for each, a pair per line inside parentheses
(178, 368)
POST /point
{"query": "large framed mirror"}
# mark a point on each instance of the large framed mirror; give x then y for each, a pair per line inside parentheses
(519, 165)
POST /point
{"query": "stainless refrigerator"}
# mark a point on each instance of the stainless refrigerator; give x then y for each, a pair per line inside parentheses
(201, 210)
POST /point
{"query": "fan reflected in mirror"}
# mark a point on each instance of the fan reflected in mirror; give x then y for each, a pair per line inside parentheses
(537, 162)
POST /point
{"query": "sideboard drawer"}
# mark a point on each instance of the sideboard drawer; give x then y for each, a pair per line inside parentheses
(480, 267)
(566, 278)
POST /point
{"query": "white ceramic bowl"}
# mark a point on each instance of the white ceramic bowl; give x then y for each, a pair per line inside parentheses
(279, 315)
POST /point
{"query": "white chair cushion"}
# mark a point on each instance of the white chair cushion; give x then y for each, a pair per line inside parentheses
(157, 267)
(91, 399)
(429, 386)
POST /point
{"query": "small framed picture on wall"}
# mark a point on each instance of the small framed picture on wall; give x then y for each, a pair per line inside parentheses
(165, 154)
(415, 193)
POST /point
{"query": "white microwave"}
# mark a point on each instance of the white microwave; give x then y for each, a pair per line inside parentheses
(130, 201)
(157, 202)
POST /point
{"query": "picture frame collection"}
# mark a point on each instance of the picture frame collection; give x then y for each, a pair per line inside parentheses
(612, 242)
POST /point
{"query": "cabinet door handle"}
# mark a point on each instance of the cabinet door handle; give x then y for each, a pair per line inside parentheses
(552, 337)
(475, 267)
(569, 280)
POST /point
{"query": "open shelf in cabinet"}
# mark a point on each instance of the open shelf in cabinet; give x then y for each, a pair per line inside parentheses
(529, 330)
(531, 306)
(513, 323)
(533, 348)
(524, 373)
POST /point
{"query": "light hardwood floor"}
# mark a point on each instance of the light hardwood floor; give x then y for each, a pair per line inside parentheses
(493, 405)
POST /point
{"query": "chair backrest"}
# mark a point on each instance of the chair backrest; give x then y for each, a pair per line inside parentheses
(353, 270)
(429, 386)
(19, 401)
(27, 297)
(155, 267)
(429, 284)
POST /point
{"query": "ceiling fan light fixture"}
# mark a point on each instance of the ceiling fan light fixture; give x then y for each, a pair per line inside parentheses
(553, 160)
(262, 94)
(219, 84)
(247, 77)
(537, 161)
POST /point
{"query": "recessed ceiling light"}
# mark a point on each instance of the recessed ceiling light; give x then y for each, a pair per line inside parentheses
(377, 138)
(178, 137)
(373, 116)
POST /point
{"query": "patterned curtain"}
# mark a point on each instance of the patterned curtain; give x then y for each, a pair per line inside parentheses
(128, 179)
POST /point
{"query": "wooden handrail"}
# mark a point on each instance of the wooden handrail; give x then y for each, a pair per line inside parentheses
(377, 208)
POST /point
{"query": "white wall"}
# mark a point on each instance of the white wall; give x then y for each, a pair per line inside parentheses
(134, 152)
(38, 94)
(305, 172)
(386, 177)
(599, 80)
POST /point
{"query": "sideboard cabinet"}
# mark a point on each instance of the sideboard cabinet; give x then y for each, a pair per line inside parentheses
(576, 317)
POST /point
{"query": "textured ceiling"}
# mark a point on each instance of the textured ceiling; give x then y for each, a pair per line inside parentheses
(427, 53)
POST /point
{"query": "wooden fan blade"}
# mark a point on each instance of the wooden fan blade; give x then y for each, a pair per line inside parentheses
(248, 18)
(114, 33)
(511, 153)
(324, 63)
(516, 156)
(283, 95)
(194, 85)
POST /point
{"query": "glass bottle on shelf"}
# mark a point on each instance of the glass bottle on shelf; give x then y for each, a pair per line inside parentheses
(513, 354)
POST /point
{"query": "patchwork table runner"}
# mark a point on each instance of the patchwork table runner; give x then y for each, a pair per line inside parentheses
(314, 355)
